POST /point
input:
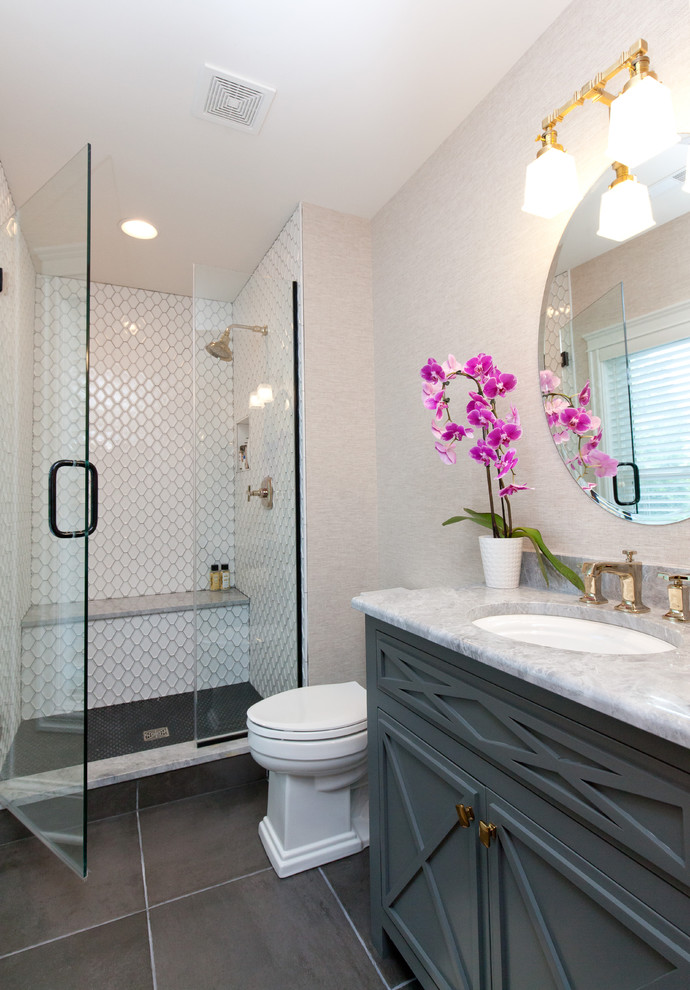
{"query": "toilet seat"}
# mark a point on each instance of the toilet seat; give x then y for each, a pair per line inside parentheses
(322, 711)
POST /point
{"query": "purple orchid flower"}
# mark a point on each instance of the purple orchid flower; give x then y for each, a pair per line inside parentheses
(553, 409)
(548, 381)
(498, 385)
(503, 434)
(507, 463)
(479, 412)
(479, 367)
(513, 490)
(432, 372)
(591, 444)
(578, 420)
(436, 401)
(585, 395)
(454, 431)
(483, 453)
(604, 466)
(451, 367)
(447, 454)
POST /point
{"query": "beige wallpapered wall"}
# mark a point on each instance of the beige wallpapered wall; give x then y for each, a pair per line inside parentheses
(339, 439)
(459, 268)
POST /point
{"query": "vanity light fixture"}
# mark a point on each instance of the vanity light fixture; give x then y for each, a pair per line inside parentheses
(641, 125)
(141, 229)
(551, 180)
(626, 208)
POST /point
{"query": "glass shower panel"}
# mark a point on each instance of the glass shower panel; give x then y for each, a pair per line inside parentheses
(600, 332)
(47, 505)
(246, 497)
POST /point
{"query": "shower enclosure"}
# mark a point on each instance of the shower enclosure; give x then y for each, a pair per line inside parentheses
(150, 445)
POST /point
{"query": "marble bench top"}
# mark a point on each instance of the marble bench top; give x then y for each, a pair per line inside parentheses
(117, 608)
(650, 691)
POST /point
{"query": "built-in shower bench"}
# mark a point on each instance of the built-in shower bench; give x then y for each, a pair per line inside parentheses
(139, 648)
(115, 608)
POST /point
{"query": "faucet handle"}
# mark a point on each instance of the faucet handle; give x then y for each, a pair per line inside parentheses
(629, 554)
(678, 597)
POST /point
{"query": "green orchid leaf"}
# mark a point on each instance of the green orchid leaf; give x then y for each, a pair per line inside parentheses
(537, 541)
(480, 518)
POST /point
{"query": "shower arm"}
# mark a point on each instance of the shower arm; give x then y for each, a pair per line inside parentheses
(244, 326)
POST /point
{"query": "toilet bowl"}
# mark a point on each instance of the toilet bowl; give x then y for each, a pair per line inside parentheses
(313, 742)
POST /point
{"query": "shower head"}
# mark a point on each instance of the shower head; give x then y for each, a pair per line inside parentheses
(221, 348)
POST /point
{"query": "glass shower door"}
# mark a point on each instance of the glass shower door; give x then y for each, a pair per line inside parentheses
(247, 630)
(48, 507)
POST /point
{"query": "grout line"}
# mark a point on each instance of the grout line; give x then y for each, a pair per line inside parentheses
(352, 926)
(146, 894)
(213, 886)
(79, 931)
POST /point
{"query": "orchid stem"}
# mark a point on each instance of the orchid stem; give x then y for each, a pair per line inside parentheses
(494, 527)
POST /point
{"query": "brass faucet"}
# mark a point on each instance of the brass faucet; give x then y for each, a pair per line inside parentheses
(630, 576)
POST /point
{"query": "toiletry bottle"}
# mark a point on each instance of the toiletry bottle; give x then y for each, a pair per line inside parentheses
(225, 576)
(215, 578)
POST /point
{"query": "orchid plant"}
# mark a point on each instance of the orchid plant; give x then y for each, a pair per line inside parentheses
(574, 425)
(493, 440)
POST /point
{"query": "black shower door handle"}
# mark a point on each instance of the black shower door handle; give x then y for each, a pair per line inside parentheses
(636, 483)
(52, 499)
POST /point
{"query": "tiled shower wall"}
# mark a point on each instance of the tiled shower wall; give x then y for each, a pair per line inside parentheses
(16, 325)
(145, 376)
(265, 541)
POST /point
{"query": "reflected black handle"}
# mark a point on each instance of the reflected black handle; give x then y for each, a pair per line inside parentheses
(52, 499)
(636, 483)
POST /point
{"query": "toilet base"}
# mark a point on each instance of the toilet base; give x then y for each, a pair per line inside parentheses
(307, 827)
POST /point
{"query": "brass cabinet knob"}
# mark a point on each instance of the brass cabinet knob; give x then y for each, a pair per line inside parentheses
(487, 832)
(465, 814)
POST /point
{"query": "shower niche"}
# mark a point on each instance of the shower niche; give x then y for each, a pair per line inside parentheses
(242, 432)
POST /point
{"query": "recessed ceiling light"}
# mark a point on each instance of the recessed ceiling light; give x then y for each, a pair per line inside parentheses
(139, 228)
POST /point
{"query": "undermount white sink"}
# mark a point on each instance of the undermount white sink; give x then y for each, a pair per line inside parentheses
(568, 633)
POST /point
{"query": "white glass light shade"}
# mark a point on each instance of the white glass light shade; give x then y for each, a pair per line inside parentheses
(641, 123)
(626, 210)
(551, 184)
(265, 393)
(255, 402)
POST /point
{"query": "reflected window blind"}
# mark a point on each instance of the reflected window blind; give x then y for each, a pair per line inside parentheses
(660, 434)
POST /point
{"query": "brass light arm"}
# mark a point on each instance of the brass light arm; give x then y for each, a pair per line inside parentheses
(635, 59)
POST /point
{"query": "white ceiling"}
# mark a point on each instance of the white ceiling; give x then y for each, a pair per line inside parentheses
(365, 91)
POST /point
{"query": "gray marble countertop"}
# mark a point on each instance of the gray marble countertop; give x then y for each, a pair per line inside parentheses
(650, 691)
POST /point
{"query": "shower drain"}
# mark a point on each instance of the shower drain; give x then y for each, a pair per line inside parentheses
(151, 734)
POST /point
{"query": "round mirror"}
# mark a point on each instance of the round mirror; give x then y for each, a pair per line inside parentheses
(615, 348)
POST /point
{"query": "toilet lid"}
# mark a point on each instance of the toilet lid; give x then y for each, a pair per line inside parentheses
(323, 711)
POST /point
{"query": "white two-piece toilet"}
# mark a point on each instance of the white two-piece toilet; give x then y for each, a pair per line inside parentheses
(313, 742)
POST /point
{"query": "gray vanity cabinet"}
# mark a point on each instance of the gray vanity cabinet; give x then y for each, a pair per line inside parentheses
(512, 846)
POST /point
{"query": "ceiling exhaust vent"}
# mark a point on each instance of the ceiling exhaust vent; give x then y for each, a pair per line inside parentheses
(229, 100)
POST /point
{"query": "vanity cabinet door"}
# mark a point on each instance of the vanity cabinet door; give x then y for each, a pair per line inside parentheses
(432, 880)
(558, 923)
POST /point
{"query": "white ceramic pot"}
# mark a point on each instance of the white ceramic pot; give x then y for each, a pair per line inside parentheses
(501, 560)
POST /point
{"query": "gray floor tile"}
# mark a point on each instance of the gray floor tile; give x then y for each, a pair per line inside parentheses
(53, 900)
(200, 841)
(350, 880)
(113, 956)
(260, 933)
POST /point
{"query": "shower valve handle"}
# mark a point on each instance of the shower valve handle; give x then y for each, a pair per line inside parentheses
(265, 493)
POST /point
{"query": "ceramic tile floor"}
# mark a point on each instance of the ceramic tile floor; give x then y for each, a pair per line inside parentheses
(180, 896)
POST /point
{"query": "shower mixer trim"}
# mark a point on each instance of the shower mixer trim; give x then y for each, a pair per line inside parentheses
(265, 493)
